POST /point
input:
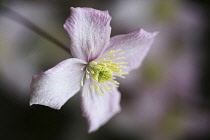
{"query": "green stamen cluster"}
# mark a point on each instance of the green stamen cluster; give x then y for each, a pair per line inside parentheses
(100, 74)
(104, 71)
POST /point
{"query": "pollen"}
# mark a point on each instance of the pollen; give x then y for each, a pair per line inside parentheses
(111, 56)
(102, 59)
(103, 71)
(87, 76)
(100, 73)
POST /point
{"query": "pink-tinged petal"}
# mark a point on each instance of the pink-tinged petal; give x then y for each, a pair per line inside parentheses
(55, 86)
(98, 109)
(135, 46)
(88, 28)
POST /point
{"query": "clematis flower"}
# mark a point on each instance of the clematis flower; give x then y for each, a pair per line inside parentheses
(97, 61)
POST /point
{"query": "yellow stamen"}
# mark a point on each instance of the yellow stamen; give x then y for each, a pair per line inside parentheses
(101, 90)
(98, 92)
(121, 53)
(96, 86)
(87, 76)
(92, 72)
(111, 56)
(103, 59)
(82, 83)
(120, 58)
(117, 70)
(104, 71)
(92, 89)
(122, 63)
(108, 62)
(111, 51)
(118, 50)
(94, 62)
(114, 63)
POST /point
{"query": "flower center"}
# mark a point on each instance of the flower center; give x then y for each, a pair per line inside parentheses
(99, 73)
(104, 70)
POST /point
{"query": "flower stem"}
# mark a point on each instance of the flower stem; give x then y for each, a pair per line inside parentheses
(22, 20)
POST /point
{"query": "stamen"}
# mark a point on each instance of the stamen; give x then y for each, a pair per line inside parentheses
(118, 50)
(113, 68)
(108, 62)
(87, 76)
(124, 67)
(107, 88)
(111, 56)
(83, 68)
(115, 82)
(92, 89)
(111, 51)
(114, 63)
(121, 76)
(102, 64)
(107, 82)
(96, 86)
(121, 53)
(94, 62)
(122, 63)
(91, 50)
(120, 58)
(117, 70)
(82, 83)
(92, 72)
(103, 59)
(101, 90)
(104, 72)
(88, 93)
(98, 92)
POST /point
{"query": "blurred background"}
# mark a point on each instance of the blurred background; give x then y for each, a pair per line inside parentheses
(168, 98)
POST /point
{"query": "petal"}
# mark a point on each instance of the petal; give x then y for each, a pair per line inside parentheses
(135, 45)
(88, 28)
(55, 86)
(98, 109)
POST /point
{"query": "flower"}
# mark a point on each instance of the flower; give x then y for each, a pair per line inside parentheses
(98, 61)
